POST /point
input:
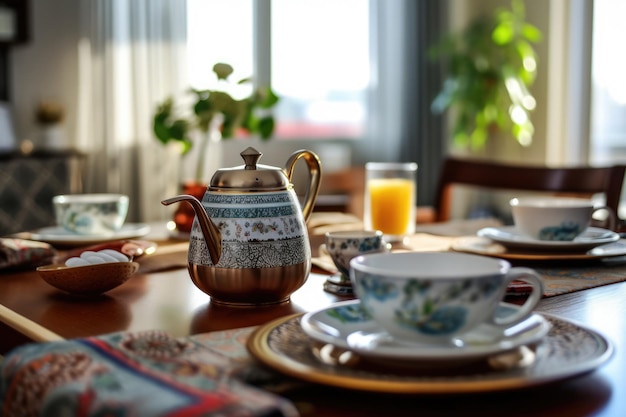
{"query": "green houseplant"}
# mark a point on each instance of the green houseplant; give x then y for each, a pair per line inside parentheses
(211, 111)
(490, 68)
(251, 115)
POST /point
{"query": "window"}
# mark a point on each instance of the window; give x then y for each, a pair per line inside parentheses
(608, 89)
(316, 55)
(608, 111)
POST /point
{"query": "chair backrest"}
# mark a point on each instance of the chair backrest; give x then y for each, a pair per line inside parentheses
(342, 191)
(579, 180)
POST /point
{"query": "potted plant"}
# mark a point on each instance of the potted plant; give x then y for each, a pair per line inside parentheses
(49, 117)
(490, 68)
(212, 112)
(210, 105)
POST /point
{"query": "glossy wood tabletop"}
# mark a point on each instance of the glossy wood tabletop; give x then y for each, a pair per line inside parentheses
(169, 301)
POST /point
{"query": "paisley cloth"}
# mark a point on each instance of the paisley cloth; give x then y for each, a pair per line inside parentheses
(129, 374)
(22, 253)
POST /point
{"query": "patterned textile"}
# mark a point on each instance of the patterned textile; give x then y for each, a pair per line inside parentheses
(129, 374)
(570, 278)
(20, 253)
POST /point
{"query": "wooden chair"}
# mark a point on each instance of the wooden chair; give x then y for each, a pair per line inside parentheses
(342, 191)
(579, 181)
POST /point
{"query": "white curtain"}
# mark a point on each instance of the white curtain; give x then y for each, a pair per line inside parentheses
(132, 56)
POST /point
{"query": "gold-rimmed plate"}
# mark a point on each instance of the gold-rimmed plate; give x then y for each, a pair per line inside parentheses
(569, 350)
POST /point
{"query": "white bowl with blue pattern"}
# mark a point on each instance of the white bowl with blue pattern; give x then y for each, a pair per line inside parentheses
(559, 219)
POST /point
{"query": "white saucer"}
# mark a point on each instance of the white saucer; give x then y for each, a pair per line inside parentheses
(59, 236)
(511, 238)
(487, 247)
(346, 326)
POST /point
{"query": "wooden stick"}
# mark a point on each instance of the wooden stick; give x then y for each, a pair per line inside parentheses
(27, 327)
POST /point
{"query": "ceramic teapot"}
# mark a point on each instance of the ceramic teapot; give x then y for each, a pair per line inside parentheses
(249, 242)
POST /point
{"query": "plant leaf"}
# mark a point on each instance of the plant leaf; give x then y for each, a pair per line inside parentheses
(531, 33)
(266, 127)
(479, 61)
(222, 70)
(503, 34)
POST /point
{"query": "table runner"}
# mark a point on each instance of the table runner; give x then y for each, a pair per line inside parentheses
(559, 278)
(566, 279)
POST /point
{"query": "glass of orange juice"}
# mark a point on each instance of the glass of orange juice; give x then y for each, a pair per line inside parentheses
(390, 198)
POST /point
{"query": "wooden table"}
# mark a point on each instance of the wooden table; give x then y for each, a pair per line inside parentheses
(168, 300)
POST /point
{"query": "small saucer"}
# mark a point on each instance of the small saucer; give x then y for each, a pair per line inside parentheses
(339, 279)
(487, 247)
(340, 290)
(347, 326)
(60, 236)
(509, 237)
(339, 284)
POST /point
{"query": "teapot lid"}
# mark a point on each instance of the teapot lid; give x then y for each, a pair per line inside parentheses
(251, 176)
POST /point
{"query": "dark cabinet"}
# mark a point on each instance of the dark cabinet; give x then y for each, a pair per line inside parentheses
(28, 183)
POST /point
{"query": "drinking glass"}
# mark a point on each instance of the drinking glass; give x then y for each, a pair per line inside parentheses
(390, 198)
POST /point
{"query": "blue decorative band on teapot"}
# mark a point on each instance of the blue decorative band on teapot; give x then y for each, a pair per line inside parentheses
(259, 231)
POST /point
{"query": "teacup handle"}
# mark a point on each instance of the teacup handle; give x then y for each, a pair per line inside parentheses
(530, 276)
(611, 220)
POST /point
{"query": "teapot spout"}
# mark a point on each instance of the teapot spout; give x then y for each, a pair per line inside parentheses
(211, 233)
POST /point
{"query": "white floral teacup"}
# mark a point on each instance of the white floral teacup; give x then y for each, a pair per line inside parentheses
(555, 218)
(436, 297)
(91, 214)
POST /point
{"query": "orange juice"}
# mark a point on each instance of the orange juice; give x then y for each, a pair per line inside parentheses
(391, 205)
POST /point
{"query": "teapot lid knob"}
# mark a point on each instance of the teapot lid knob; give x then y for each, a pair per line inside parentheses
(250, 177)
(251, 156)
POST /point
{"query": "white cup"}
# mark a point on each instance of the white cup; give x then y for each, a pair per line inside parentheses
(436, 297)
(91, 214)
(555, 218)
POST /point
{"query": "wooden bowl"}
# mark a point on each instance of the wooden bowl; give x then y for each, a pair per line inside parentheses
(88, 279)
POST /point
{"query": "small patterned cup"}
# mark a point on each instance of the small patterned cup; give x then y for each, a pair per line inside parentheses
(345, 245)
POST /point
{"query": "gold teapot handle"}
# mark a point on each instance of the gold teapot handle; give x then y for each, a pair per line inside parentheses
(315, 176)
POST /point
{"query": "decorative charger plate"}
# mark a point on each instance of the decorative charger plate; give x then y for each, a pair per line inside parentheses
(509, 237)
(568, 350)
(487, 247)
(60, 236)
